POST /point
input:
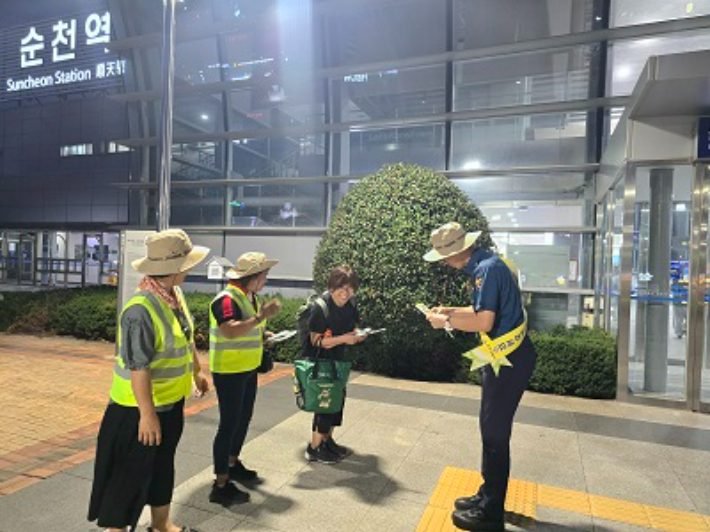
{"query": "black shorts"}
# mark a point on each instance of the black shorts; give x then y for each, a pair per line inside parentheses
(127, 474)
(324, 423)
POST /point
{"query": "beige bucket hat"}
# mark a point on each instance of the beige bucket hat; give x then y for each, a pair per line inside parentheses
(448, 240)
(169, 252)
(250, 263)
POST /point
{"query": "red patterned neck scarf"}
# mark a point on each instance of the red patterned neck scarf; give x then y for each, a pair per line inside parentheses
(150, 284)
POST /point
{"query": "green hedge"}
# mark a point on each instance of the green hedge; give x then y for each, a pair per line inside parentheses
(575, 361)
(90, 313)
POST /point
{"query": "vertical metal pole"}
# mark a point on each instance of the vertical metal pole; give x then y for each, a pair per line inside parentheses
(659, 257)
(450, 86)
(166, 118)
(627, 247)
(696, 294)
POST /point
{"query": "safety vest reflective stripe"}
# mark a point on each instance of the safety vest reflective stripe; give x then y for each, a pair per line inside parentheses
(171, 367)
(240, 354)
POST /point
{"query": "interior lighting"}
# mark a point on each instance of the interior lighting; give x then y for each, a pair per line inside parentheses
(623, 72)
(472, 165)
(204, 116)
(680, 207)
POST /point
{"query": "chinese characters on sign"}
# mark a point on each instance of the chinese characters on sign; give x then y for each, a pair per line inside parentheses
(60, 53)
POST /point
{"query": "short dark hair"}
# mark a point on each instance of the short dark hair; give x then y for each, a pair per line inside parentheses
(243, 282)
(341, 276)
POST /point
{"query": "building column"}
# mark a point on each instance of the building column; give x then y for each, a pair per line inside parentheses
(659, 257)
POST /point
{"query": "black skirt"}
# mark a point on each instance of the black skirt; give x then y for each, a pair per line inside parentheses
(127, 474)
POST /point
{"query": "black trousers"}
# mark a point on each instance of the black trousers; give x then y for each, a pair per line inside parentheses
(500, 399)
(236, 393)
(127, 474)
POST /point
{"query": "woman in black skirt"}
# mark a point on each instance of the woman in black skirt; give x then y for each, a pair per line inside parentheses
(154, 372)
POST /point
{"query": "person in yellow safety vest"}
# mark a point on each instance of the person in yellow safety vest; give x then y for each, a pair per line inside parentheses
(154, 371)
(507, 358)
(237, 333)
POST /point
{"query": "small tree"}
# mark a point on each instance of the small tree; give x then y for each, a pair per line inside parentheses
(381, 228)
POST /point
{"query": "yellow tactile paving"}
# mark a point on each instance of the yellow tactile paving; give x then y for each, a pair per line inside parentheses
(562, 499)
(524, 497)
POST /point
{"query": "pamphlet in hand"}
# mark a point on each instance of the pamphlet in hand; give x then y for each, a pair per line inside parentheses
(281, 336)
(421, 307)
(367, 331)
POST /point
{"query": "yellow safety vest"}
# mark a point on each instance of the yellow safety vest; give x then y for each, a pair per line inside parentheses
(495, 351)
(171, 368)
(240, 354)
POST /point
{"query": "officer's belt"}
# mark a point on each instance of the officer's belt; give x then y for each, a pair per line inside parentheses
(495, 352)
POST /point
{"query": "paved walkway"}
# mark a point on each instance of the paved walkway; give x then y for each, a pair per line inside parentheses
(577, 464)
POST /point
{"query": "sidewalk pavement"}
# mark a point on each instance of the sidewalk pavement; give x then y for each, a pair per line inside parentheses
(577, 464)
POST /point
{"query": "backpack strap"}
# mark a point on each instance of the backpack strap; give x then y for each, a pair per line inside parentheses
(323, 306)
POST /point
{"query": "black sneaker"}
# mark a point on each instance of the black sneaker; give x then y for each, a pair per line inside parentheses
(334, 448)
(240, 473)
(321, 454)
(228, 494)
(476, 520)
(468, 503)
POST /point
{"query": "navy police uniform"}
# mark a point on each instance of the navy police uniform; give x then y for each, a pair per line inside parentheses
(496, 290)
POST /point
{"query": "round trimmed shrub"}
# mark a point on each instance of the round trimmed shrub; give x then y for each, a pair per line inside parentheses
(381, 229)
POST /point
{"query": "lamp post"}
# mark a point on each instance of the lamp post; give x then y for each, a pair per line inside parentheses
(166, 115)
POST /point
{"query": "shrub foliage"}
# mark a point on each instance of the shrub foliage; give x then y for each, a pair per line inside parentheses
(381, 228)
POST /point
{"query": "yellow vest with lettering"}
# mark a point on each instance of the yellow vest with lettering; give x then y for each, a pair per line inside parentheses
(171, 368)
(240, 354)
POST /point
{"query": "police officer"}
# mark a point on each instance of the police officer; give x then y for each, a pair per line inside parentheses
(507, 358)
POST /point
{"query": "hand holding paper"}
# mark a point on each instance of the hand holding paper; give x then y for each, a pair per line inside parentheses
(281, 336)
(421, 307)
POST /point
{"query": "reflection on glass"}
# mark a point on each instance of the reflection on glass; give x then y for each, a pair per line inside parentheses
(368, 32)
(196, 161)
(199, 206)
(392, 93)
(633, 12)
(480, 23)
(279, 156)
(520, 141)
(277, 205)
(545, 260)
(627, 58)
(369, 150)
(614, 281)
(523, 79)
(556, 188)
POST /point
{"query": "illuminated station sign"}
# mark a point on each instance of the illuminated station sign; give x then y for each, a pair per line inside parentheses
(59, 56)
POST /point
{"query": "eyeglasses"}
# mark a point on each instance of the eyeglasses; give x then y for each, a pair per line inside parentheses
(344, 290)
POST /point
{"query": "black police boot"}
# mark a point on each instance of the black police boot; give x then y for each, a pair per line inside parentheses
(477, 520)
(468, 503)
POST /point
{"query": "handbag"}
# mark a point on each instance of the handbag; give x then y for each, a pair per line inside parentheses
(267, 363)
(319, 383)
